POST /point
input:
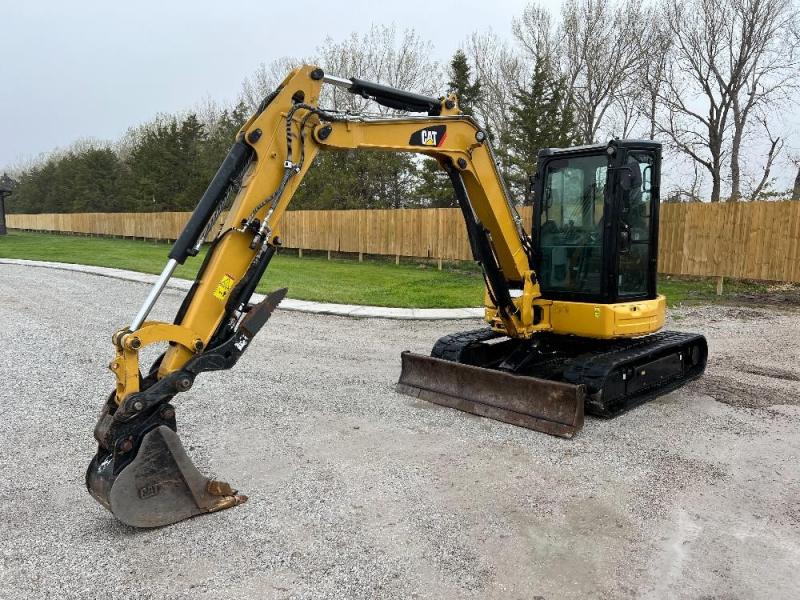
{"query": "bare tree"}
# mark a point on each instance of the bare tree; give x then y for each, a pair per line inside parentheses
(381, 55)
(384, 56)
(625, 112)
(655, 45)
(499, 69)
(794, 161)
(775, 147)
(266, 78)
(689, 188)
(597, 47)
(536, 34)
(762, 53)
(696, 95)
(730, 59)
(796, 187)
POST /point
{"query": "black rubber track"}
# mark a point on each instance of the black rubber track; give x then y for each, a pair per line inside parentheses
(588, 362)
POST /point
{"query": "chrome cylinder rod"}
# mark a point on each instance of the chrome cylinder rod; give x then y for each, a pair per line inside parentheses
(158, 287)
(337, 81)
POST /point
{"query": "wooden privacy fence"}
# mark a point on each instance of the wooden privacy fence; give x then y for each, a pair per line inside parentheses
(158, 226)
(743, 240)
(753, 240)
(427, 233)
(424, 233)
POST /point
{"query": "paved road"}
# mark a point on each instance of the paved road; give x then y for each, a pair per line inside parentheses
(358, 492)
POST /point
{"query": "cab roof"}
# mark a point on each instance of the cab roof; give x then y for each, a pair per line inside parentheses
(589, 148)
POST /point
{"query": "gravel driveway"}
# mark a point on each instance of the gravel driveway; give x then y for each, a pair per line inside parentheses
(358, 492)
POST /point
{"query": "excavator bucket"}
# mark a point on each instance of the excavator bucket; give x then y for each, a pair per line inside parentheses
(549, 406)
(141, 473)
(160, 486)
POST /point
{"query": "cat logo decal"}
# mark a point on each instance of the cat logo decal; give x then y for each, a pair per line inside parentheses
(430, 136)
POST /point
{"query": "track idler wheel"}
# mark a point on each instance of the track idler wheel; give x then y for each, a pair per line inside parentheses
(159, 485)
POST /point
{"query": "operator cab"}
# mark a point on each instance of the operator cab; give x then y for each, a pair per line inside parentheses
(595, 221)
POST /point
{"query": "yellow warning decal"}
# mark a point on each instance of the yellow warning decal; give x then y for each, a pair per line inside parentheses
(224, 287)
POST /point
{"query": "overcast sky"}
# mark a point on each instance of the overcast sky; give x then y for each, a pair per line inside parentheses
(77, 69)
(92, 68)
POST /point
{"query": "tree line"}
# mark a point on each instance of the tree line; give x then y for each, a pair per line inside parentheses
(711, 79)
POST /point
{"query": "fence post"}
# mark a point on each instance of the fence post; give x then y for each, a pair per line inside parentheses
(439, 264)
(720, 281)
(6, 187)
(299, 253)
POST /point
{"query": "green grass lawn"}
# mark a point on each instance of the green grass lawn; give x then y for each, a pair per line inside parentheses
(374, 282)
(703, 290)
(346, 281)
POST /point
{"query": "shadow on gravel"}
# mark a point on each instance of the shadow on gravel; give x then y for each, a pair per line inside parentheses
(746, 395)
(776, 295)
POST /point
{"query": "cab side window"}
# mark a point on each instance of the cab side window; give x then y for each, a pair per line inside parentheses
(635, 220)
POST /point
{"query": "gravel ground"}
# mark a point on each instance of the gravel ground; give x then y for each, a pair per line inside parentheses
(358, 492)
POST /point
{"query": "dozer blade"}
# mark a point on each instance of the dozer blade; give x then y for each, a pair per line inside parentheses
(548, 406)
(160, 486)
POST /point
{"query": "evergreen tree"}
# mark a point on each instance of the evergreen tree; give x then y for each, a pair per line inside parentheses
(357, 179)
(221, 133)
(192, 140)
(164, 170)
(90, 181)
(85, 180)
(433, 187)
(541, 117)
(468, 91)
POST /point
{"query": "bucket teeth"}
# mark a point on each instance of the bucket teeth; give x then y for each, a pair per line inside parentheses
(548, 406)
(229, 496)
(160, 486)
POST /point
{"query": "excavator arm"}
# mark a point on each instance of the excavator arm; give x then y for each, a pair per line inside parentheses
(271, 154)
(141, 472)
(281, 142)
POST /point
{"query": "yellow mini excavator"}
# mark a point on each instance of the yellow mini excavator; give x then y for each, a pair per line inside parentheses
(572, 309)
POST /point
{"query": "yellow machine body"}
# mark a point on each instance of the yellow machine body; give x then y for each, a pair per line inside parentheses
(141, 472)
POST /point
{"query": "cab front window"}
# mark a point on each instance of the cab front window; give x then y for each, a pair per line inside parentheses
(571, 224)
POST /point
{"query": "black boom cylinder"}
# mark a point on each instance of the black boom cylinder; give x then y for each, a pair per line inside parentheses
(231, 168)
(394, 98)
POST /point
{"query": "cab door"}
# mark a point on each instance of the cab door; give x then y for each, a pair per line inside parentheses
(636, 214)
(571, 225)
